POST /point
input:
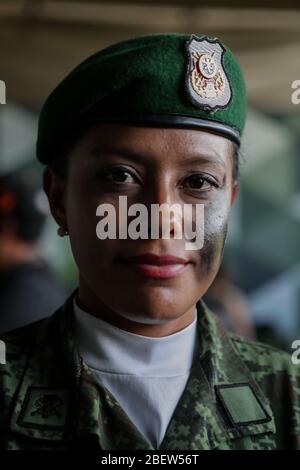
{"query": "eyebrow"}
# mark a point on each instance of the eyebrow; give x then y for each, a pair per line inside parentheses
(142, 157)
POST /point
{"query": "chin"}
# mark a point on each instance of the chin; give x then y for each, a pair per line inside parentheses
(153, 310)
(145, 319)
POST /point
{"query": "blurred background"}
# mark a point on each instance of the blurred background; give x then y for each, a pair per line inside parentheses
(258, 290)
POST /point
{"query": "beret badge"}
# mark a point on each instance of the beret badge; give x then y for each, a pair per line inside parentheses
(207, 83)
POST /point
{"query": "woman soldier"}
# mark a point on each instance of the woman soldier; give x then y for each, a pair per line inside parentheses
(134, 359)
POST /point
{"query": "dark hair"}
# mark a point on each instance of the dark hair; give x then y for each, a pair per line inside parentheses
(235, 161)
(61, 157)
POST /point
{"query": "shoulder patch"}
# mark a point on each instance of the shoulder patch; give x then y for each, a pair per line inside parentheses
(242, 404)
(44, 408)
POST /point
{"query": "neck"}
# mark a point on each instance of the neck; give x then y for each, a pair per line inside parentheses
(110, 349)
(89, 302)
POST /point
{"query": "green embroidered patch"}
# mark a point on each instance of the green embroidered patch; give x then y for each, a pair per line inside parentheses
(242, 404)
(44, 408)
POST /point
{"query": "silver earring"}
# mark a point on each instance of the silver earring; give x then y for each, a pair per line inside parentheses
(62, 232)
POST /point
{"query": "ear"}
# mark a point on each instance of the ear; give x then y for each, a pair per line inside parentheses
(234, 192)
(54, 187)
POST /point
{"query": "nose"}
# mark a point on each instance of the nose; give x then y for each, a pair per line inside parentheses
(165, 211)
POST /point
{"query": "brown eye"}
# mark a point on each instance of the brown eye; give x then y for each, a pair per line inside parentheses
(118, 175)
(199, 182)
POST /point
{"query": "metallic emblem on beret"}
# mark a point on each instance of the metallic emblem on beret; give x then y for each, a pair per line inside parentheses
(207, 83)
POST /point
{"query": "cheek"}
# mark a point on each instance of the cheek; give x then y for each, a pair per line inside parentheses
(89, 252)
(216, 216)
(215, 231)
(80, 212)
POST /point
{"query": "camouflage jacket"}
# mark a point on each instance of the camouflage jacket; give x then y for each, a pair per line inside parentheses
(240, 394)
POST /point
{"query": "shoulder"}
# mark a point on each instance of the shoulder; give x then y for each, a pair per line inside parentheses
(19, 348)
(263, 358)
(275, 372)
(16, 347)
(17, 344)
(279, 379)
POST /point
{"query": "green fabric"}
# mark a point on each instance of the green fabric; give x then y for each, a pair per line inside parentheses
(42, 360)
(242, 404)
(138, 77)
(40, 404)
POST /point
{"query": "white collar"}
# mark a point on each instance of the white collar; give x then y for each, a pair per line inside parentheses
(108, 348)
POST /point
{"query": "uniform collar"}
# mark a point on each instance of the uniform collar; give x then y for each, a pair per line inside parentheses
(59, 399)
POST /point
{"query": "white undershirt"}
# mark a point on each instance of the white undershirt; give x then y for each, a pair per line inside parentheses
(146, 375)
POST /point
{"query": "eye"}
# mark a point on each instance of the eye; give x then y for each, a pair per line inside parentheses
(199, 181)
(118, 175)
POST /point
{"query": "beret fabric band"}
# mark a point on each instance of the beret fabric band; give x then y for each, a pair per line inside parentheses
(165, 80)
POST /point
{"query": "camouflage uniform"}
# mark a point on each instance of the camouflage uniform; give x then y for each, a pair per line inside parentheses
(240, 394)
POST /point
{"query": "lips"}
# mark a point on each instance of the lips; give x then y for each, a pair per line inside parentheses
(155, 266)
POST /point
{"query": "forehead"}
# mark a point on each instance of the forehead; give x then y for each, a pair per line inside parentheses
(175, 144)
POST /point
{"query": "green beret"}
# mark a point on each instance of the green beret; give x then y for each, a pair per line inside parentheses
(165, 80)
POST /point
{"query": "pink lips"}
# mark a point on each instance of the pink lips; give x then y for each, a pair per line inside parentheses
(163, 267)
